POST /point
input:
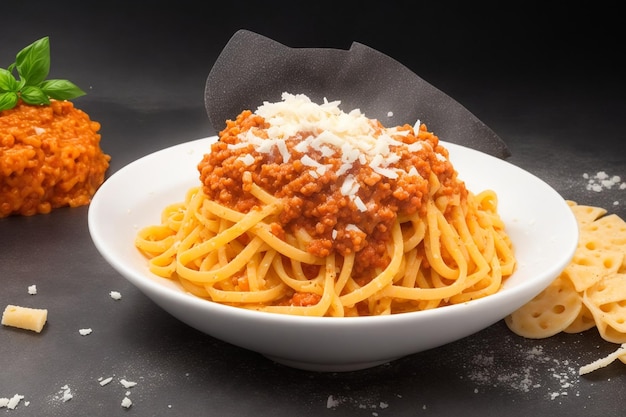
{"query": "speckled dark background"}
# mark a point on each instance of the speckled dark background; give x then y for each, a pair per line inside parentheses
(546, 79)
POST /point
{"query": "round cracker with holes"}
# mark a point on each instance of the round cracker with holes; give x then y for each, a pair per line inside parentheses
(550, 312)
(606, 300)
(584, 321)
(585, 214)
(592, 263)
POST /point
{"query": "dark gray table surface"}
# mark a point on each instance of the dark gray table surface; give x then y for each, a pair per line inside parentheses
(554, 96)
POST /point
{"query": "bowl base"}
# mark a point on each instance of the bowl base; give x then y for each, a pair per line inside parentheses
(328, 367)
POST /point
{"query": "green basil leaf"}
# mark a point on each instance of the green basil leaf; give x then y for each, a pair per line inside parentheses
(8, 100)
(33, 65)
(61, 89)
(34, 95)
(8, 81)
(33, 62)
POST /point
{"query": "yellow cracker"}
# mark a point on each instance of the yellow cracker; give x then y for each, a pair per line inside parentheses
(609, 333)
(606, 301)
(584, 321)
(611, 289)
(610, 232)
(596, 277)
(549, 313)
(588, 266)
(585, 214)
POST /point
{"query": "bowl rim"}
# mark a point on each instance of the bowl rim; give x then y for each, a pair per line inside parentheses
(149, 282)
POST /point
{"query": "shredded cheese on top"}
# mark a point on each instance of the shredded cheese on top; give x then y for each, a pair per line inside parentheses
(352, 136)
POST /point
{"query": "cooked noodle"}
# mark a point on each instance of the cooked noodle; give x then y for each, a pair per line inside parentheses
(304, 209)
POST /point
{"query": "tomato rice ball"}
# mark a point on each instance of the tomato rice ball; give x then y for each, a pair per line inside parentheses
(50, 157)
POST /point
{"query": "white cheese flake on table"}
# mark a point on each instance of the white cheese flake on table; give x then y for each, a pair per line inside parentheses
(84, 332)
(25, 317)
(32, 289)
(11, 403)
(603, 181)
(105, 381)
(127, 384)
(602, 362)
(332, 402)
(116, 295)
(126, 402)
(66, 393)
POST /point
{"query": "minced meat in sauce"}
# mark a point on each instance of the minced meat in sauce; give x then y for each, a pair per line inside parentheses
(314, 201)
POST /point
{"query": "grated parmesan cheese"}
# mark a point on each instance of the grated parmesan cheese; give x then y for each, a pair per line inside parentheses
(32, 289)
(126, 402)
(25, 317)
(601, 181)
(127, 384)
(247, 159)
(605, 361)
(358, 137)
(11, 403)
(105, 381)
(360, 205)
(349, 136)
(66, 393)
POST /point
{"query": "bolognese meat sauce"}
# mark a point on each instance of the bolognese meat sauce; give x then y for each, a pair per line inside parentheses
(343, 178)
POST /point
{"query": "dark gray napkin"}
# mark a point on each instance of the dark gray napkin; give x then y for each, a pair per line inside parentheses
(252, 69)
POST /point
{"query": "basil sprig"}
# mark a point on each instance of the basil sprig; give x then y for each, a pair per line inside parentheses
(32, 65)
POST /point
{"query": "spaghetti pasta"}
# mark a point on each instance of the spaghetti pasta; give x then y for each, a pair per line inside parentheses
(304, 209)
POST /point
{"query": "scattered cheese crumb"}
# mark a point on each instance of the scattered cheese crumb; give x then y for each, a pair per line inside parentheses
(126, 402)
(84, 332)
(602, 362)
(105, 381)
(127, 384)
(331, 402)
(32, 289)
(12, 402)
(66, 393)
(24, 317)
(601, 181)
(116, 295)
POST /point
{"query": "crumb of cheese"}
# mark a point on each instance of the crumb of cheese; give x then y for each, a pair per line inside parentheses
(25, 317)
(105, 381)
(12, 402)
(126, 402)
(127, 384)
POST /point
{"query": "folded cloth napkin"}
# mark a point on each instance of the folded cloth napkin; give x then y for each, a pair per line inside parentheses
(252, 69)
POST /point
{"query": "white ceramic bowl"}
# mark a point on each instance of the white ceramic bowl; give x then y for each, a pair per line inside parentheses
(539, 222)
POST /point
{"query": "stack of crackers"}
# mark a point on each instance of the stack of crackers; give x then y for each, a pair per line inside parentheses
(589, 292)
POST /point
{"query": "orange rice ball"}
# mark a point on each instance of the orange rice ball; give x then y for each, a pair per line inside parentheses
(50, 157)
